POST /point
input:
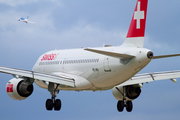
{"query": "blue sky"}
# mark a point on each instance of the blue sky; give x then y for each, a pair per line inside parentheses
(65, 24)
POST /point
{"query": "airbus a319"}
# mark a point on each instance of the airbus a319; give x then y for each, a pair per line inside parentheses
(93, 69)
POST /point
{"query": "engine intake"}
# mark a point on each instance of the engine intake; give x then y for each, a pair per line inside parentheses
(24, 89)
(132, 92)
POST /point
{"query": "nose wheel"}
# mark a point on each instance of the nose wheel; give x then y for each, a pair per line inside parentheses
(53, 103)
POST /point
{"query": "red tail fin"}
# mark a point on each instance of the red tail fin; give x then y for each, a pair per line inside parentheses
(137, 26)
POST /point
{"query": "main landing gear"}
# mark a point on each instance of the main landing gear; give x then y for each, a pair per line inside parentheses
(121, 104)
(53, 103)
(124, 103)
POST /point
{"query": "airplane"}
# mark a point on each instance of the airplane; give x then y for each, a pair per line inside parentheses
(25, 20)
(93, 69)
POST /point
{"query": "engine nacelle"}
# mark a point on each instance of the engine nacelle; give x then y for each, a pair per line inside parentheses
(132, 92)
(18, 89)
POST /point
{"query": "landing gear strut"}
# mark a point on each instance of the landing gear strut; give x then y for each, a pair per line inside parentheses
(123, 103)
(53, 103)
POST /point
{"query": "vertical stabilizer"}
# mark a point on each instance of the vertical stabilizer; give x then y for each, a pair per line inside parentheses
(135, 35)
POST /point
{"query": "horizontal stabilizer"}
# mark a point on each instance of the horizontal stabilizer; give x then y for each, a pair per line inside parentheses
(165, 56)
(109, 53)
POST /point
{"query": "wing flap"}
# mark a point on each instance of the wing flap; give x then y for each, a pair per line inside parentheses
(68, 81)
(109, 53)
(145, 78)
(54, 79)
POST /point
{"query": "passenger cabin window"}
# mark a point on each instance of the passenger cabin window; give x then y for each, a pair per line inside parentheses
(69, 62)
(50, 63)
(80, 61)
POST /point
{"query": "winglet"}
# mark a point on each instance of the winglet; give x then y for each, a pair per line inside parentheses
(135, 35)
(174, 80)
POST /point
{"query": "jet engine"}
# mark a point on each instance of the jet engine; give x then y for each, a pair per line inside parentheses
(131, 92)
(19, 89)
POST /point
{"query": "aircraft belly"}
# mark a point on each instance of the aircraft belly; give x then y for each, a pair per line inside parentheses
(102, 80)
(42, 84)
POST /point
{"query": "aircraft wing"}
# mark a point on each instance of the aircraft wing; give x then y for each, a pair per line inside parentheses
(109, 53)
(31, 22)
(149, 77)
(63, 80)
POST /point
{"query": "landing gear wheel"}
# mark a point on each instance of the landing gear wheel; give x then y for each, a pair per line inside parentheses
(57, 105)
(129, 106)
(120, 106)
(49, 104)
(53, 103)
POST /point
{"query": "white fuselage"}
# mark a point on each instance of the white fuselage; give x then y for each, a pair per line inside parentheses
(101, 72)
(23, 20)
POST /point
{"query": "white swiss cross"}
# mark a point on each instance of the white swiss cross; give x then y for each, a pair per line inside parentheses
(138, 15)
